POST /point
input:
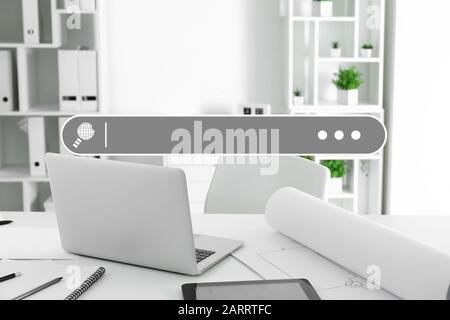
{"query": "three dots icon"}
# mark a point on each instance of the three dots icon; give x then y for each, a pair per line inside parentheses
(339, 135)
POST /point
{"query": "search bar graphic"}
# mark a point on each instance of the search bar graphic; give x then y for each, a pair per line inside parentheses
(227, 135)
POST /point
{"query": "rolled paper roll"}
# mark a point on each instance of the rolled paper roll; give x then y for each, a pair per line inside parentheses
(409, 268)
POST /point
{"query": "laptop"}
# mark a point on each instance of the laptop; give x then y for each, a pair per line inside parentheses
(131, 213)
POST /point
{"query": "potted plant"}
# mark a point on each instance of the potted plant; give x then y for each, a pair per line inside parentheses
(367, 50)
(305, 8)
(348, 82)
(299, 99)
(338, 169)
(336, 50)
(323, 8)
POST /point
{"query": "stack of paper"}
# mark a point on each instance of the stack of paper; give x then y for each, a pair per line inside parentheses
(21, 243)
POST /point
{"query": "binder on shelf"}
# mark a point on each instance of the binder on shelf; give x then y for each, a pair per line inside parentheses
(88, 5)
(6, 81)
(30, 13)
(68, 80)
(36, 140)
(88, 80)
(35, 128)
(68, 4)
(30, 196)
(78, 80)
(83, 5)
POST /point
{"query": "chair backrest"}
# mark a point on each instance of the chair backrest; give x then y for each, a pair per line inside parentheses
(244, 188)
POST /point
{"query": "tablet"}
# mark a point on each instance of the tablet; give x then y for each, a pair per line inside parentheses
(294, 289)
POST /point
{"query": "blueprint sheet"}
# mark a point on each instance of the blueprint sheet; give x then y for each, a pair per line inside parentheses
(274, 256)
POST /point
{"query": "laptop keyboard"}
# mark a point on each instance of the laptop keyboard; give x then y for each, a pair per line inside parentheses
(202, 254)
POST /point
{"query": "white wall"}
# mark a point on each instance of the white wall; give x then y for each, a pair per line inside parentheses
(420, 108)
(191, 56)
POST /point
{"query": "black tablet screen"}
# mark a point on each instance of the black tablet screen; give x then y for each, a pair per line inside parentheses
(257, 291)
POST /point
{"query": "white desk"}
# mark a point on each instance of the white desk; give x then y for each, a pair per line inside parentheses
(130, 282)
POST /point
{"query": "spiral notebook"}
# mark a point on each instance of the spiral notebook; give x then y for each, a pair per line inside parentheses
(35, 273)
(85, 286)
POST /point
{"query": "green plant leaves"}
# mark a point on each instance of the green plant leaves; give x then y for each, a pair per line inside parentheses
(348, 79)
(338, 168)
(298, 93)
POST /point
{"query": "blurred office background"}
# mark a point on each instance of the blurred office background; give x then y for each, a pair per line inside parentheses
(59, 58)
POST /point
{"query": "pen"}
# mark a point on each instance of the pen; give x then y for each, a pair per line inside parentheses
(37, 289)
(4, 223)
(10, 276)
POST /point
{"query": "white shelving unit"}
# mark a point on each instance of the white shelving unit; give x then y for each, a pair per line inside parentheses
(37, 94)
(362, 190)
(308, 66)
(311, 68)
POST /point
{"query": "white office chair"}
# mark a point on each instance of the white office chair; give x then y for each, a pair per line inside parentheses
(242, 189)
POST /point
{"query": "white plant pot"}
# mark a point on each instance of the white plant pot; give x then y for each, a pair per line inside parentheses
(336, 186)
(323, 8)
(348, 97)
(366, 53)
(299, 101)
(336, 53)
(305, 8)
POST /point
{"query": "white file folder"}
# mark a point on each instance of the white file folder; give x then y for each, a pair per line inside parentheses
(78, 80)
(83, 5)
(6, 82)
(68, 80)
(30, 12)
(69, 4)
(87, 68)
(88, 5)
(30, 194)
(36, 140)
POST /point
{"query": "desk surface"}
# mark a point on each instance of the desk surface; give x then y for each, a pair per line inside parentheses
(131, 282)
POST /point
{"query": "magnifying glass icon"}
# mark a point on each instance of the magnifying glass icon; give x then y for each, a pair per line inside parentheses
(85, 132)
